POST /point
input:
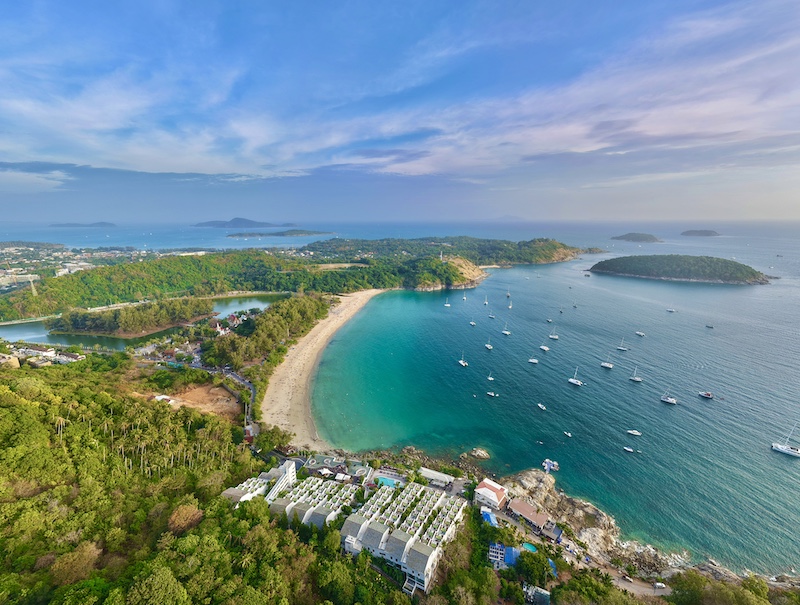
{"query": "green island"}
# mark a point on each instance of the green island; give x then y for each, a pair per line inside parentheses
(700, 233)
(287, 233)
(240, 223)
(637, 237)
(682, 267)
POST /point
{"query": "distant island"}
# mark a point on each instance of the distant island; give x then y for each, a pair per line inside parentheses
(78, 225)
(240, 223)
(288, 233)
(700, 233)
(681, 267)
(637, 237)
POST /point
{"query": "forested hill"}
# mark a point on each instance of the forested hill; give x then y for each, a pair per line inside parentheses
(681, 267)
(479, 251)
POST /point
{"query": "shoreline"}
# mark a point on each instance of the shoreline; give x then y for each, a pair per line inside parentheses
(287, 401)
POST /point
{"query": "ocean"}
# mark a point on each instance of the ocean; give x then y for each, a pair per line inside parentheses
(705, 478)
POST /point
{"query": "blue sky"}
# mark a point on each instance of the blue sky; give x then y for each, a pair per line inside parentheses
(657, 110)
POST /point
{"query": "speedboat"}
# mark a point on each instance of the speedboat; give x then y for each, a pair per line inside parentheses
(640, 333)
(706, 394)
(533, 360)
(670, 310)
(492, 394)
(472, 323)
(541, 406)
(634, 432)
(549, 321)
(628, 449)
(709, 326)
(568, 434)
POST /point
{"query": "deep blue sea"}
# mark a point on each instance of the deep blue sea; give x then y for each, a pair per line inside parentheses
(705, 479)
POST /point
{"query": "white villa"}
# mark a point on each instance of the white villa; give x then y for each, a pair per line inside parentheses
(491, 494)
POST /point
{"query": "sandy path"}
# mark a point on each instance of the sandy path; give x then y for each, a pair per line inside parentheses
(287, 402)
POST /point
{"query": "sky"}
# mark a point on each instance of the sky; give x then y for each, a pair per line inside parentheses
(168, 111)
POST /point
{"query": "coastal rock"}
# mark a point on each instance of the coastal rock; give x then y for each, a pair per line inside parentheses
(480, 453)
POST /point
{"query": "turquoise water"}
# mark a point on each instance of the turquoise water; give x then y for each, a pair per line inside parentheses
(706, 478)
(528, 546)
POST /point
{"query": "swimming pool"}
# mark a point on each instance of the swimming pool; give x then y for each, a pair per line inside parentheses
(528, 546)
(386, 481)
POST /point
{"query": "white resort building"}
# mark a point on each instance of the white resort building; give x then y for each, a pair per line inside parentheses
(491, 494)
(315, 501)
(407, 527)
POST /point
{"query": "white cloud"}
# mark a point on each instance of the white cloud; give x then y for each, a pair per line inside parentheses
(15, 181)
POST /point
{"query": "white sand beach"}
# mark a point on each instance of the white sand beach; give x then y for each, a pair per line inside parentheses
(287, 402)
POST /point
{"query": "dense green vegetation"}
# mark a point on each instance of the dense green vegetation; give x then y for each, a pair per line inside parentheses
(682, 267)
(133, 319)
(637, 237)
(477, 250)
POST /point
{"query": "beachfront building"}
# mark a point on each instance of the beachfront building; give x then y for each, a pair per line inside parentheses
(521, 510)
(491, 494)
(408, 528)
(285, 476)
(315, 501)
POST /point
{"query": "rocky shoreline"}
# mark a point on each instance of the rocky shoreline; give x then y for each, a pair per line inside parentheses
(595, 530)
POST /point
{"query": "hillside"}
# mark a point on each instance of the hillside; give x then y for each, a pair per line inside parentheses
(681, 267)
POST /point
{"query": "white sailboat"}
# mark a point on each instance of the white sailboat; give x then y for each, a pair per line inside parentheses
(785, 448)
(667, 398)
(486, 300)
(544, 347)
(446, 302)
(574, 380)
(508, 294)
(472, 322)
(533, 360)
(506, 331)
(634, 377)
(509, 304)
(553, 335)
(488, 345)
(491, 315)
(462, 361)
(607, 363)
(622, 346)
(464, 297)
(490, 377)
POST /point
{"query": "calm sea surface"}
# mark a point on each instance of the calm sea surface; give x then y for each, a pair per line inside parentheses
(705, 478)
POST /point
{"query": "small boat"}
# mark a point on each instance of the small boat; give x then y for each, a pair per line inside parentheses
(628, 449)
(574, 380)
(446, 302)
(670, 310)
(706, 394)
(544, 347)
(491, 315)
(634, 432)
(549, 321)
(568, 434)
(490, 377)
(509, 304)
(607, 363)
(561, 309)
(508, 294)
(462, 361)
(709, 326)
(622, 346)
(667, 398)
(464, 297)
(472, 322)
(640, 333)
(553, 335)
(541, 406)
(492, 394)
(488, 345)
(785, 448)
(574, 304)
(486, 300)
(506, 331)
(634, 377)
(533, 360)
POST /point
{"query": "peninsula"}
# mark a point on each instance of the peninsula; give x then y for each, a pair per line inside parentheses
(240, 223)
(637, 237)
(700, 233)
(287, 233)
(681, 267)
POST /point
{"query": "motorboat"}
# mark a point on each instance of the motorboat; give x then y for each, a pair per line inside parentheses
(628, 449)
(542, 406)
(634, 432)
(544, 347)
(568, 434)
(492, 394)
(533, 360)
(472, 322)
(640, 333)
(706, 394)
